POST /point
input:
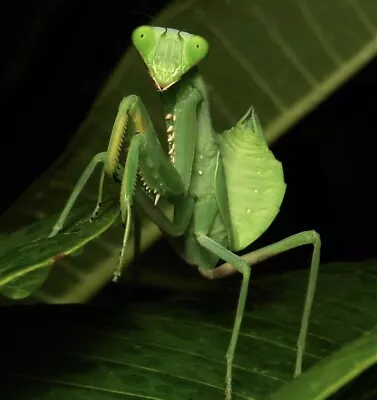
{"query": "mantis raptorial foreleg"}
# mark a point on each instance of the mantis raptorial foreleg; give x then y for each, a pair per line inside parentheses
(132, 119)
(235, 264)
(127, 189)
(134, 126)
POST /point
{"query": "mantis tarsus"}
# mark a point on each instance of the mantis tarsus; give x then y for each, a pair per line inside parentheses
(226, 188)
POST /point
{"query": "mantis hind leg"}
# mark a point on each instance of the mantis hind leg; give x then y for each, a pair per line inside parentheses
(237, 264)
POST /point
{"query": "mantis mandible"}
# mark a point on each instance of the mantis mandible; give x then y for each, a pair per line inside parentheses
(226, 189)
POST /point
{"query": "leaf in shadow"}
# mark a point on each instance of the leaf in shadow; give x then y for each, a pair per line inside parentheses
(26, 256)
(174, 347)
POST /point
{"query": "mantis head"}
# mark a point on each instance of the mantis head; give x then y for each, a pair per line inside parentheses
(168, 53)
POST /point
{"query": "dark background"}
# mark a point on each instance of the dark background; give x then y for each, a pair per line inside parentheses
(56, 56)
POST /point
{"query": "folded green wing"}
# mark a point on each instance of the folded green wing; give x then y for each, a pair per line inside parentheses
(254, 180)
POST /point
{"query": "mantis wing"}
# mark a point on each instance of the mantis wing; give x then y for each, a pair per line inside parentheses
(254, 180)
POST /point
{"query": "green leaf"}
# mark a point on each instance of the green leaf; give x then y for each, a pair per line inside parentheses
(333, 372)
(174, 347)
(262, 53)
(282, 56)
(27, 256)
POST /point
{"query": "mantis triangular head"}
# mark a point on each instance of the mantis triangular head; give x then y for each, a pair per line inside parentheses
(168, 53)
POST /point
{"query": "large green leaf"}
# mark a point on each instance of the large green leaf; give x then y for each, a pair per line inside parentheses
(28, 255)
(334, 371)
(283, 56)
(174, 347)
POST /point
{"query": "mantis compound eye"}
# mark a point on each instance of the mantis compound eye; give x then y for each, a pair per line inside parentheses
(196, 50)
(144, 39)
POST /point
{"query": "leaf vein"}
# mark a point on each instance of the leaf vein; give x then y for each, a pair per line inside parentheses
(287, 50)
(242, 61)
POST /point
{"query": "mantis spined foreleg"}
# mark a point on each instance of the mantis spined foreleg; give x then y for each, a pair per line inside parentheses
(134, 126)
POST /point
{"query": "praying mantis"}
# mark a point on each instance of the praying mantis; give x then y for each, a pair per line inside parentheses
(226, 188)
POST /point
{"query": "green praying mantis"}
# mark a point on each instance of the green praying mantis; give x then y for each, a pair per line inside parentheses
(226, 189)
